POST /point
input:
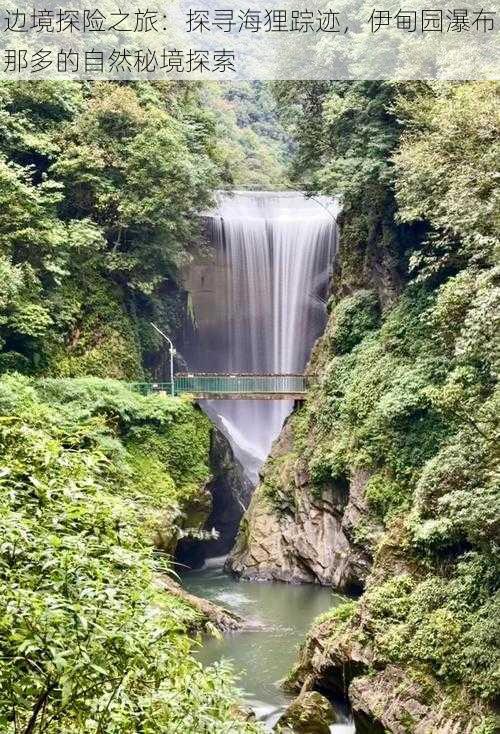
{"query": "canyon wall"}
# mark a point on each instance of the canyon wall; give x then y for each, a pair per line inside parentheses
(383, 482)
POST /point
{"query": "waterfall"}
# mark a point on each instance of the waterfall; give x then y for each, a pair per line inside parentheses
(266, 305)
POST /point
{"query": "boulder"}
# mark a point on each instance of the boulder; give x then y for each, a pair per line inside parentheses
(309, 713)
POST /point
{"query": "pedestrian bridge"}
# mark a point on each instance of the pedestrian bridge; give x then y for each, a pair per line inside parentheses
(231, 386)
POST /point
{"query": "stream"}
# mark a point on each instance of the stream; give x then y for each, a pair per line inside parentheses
(262, 657)
(259, 304)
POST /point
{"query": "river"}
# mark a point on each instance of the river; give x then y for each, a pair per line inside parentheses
(262, 657)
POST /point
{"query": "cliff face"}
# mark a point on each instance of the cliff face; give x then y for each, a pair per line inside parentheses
(387, 476)
(390, 699)
(309, 520)
(306, 535)
(218, 506)
(383, 481)
(230, 490)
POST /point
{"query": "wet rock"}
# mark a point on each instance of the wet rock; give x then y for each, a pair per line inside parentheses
(243, 713)
(395, 702)
(178, 530)
(223, 619)
(302, 536)
(212, 518)
(330, 659)
(231, 491)
(309, 713)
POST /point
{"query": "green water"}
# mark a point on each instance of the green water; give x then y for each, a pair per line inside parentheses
(262, 657)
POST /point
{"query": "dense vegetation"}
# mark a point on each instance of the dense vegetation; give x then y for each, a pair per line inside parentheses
(257, 148)
(409, 366)
(100, 190)
(100, 185)
(89, 641)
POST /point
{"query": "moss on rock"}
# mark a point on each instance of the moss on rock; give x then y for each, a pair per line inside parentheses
(310, 713)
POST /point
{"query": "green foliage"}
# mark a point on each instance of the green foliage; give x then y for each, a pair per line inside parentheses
(353, 318)
(104, 340)
(385, 496)
(89, 641)
(375, 402)
(326, 466)
(410, 395)
(342, 613)
(278, 487)
(256, 148)
(444, 172)
(447, 625)
(456, 497)
(489, 725)
(99, 187)
(344, 132)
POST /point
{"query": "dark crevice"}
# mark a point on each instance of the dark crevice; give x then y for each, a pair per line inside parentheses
(231, 491)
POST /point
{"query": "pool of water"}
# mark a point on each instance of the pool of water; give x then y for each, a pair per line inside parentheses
(262, 657)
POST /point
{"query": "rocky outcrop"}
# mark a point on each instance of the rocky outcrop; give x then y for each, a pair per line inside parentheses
(329, 660)
(231, 491)
(309, 713)
(180, 530)
(188, 547)
(302, 535)
(384, 698)
(212, 518)
(221, 618)
(400, 704)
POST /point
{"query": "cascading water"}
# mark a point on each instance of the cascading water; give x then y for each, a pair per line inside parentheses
(273, 253)
(259, 306)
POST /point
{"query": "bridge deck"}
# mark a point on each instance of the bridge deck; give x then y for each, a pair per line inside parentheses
(232, 387)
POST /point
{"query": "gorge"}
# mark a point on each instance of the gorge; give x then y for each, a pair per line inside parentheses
(370, 487)
(258, 304)
(352, 534)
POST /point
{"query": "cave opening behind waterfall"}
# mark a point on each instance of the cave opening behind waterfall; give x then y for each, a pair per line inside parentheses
(257, 293)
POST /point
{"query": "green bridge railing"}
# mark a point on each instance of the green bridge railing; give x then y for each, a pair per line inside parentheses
(238, 385)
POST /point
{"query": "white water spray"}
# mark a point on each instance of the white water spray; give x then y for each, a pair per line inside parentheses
(274, 251)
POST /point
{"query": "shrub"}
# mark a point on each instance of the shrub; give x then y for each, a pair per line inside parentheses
(327, 466)
(352, 319)
(89, 642)
(456, 497)
(385, 496)
(341, 613)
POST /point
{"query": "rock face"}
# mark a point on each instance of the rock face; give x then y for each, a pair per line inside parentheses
(309, 713)
(329, 661)
(177, 535)
(401, 705)
(218, 507)
(309, 537)
(385, 699)
(231, 491)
